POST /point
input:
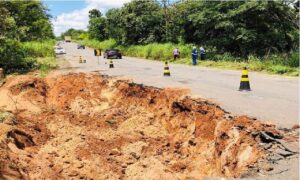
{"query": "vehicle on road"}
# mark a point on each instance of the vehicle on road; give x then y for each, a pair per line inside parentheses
(67, 38)
(80, 46)
(59, 50)
(112, 54)
(58, 44)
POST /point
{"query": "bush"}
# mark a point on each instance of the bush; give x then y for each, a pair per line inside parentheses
(13, 57)
(156, 51)
(22, 57)
(279, 69)
(45, 64)
(293, 59)
(39, 49)
(290, 59)
(110, 43)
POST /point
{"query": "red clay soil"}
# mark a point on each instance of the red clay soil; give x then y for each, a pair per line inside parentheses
(88, 126)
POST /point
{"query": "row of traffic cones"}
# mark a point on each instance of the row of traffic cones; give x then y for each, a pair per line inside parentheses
(81, 61)
(244, 84)
(111, 64)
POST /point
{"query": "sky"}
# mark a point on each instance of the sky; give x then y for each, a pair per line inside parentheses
(74, 13)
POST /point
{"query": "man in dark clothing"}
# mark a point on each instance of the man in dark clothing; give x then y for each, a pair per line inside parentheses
(194, 55)
(202, 53)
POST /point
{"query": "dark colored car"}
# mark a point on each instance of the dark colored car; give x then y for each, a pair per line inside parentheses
(112, 54)
(80, 46)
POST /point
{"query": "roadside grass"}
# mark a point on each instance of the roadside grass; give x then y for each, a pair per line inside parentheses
(282, 64)
(155, 51)
(110, 43)
(46, 64)
(42, 54)
(258, 66)
(39, 49)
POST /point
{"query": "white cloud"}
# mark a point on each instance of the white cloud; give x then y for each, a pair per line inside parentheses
(105, 4)
(78, 19)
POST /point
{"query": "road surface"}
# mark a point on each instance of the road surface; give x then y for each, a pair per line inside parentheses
(273, 99)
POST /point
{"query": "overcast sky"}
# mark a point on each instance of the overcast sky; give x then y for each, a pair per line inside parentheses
(74, 14)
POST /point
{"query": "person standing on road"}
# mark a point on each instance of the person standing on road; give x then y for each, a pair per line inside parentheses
(176, 53)
(194, 55)
(202, 53)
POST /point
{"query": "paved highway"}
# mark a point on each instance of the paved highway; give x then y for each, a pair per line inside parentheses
(273, 99)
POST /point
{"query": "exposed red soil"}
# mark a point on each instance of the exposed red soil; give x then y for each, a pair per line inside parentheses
(87, 126)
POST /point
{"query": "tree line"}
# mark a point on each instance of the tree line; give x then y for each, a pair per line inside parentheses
(238, 27)
(20, 22)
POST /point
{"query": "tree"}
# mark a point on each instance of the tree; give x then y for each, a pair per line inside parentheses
(74, 33)
(21, 21)
(97, 25)
(114, 27)
(142, 22)
(241, 27)
(94, 13)
(7, 24)
(31, 19)
(174, 21)
(238, 27)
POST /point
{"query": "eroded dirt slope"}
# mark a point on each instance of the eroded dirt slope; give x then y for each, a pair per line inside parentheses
(90, 126)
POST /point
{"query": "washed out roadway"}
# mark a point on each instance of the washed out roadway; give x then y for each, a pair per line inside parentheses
(273, 98)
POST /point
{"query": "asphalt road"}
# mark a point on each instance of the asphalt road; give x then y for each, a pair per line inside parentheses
(274, 99)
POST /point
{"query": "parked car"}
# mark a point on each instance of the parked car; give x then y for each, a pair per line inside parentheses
(112, 54)
(80, 46)
(59, 50)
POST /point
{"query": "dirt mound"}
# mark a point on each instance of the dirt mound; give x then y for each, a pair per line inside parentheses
(92, 126)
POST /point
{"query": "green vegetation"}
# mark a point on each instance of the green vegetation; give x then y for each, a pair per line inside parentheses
(110, 43)
(43, 55)
(241, 28)
(97, 24)
(75, 34)
(46, 64)
(255, 65)
(263, 35)
(284, 64)
(39, 49)
(25, 35)
(157, 51)
(27, 55)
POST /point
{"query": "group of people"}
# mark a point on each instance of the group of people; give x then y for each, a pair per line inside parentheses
(176, 54)
(195, 54)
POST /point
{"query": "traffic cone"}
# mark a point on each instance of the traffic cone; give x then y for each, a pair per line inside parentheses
(245, 84)
(80, 59)
(111, 64)
(166, 69)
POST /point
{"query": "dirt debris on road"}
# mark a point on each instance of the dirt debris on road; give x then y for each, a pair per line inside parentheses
(90, 126)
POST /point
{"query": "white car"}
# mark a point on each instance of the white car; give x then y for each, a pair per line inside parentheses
(59, 50)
